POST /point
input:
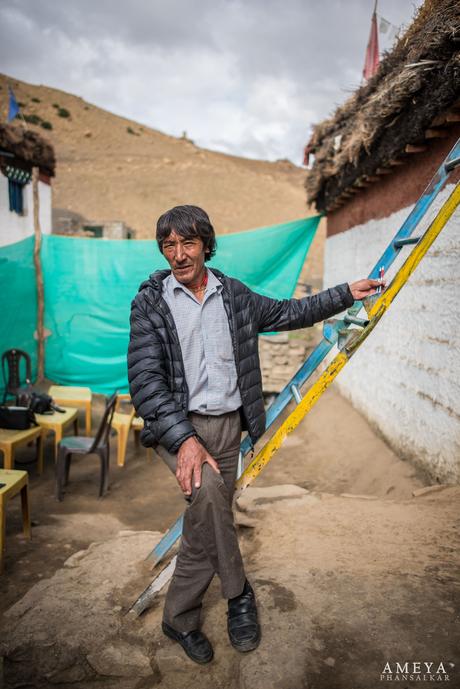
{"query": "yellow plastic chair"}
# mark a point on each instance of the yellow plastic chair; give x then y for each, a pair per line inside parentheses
(122, 423)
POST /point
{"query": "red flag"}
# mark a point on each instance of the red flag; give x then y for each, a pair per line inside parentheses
(372, 51)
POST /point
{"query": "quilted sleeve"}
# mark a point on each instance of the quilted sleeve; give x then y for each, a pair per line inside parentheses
(292, 314)
(165, 421)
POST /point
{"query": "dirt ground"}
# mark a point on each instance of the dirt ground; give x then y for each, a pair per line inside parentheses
(350, 569)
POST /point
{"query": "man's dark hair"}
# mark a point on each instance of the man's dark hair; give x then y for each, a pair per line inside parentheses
(187, 221)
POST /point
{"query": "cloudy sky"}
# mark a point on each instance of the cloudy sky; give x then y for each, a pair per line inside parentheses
(248, 77)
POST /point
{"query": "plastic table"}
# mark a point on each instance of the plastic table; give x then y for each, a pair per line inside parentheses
(14, 482)
(10, 440)
(69, 396)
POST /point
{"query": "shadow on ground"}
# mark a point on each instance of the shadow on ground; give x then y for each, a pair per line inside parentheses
(344, 584)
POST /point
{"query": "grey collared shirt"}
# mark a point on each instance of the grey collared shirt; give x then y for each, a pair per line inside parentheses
(206, 345)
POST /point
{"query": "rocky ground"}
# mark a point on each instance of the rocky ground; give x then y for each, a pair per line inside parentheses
(354, 565)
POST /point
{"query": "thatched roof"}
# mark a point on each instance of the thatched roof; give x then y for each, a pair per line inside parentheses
(28, 146)
(414, 90)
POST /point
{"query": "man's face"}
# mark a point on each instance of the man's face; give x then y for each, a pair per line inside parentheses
(185, 255)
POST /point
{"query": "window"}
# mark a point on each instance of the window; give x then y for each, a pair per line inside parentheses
(17, 180)
(96, 231)
(16, 197)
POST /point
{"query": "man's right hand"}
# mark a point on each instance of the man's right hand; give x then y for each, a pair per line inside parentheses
(190, 458)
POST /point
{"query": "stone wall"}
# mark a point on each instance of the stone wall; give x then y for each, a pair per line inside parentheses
(282, 355)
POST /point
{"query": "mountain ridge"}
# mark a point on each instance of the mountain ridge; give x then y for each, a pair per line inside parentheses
(112, 168)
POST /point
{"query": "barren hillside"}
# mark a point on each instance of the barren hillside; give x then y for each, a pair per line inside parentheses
(111, 168)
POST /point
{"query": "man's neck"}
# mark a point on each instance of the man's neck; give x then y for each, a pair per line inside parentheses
(196, 286)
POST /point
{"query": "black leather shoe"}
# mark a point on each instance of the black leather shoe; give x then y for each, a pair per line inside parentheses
(242, 623)
(195, 643)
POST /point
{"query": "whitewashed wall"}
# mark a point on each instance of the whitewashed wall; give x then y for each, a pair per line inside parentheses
(14, 227)
(406, 377)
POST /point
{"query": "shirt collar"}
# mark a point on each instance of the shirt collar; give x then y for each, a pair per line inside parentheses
(214, 283)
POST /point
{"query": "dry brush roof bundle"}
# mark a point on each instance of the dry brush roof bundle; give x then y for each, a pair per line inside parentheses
(415, 83)
(28, 146)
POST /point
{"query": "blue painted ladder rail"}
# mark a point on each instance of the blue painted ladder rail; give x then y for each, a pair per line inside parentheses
(332, 329)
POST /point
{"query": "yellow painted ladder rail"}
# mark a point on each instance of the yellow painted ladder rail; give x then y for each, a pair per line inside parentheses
(376, 308)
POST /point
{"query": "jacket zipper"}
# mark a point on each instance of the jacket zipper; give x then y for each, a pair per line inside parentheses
(233, 328)
(236, 354)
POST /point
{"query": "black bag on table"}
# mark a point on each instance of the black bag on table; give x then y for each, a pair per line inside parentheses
(38, 402)
(17, 418)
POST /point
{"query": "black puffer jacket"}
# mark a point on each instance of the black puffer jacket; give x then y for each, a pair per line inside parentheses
(155, 366)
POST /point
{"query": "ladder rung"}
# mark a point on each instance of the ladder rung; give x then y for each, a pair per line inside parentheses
(347, 337)
(398, 243)
(296, 393)
(349, 320)
(452, 164)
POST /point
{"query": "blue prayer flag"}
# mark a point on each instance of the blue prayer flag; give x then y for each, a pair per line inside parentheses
(13, 107)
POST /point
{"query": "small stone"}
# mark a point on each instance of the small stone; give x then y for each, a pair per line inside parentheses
(281, 360)
(169, 661)
(429, 489)
(318, 645)
(241, 519)
(360, 497)
(120, 660)
(296, 350)
(74, 560)
(329, 661)
(75, 673)
(279, 337)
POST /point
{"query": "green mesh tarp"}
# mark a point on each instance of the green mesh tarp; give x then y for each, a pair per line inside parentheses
(89, 285)
(18, 302)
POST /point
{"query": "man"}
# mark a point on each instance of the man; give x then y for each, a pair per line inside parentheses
(195, 379)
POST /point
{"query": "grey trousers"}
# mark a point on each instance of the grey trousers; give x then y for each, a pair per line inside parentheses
(209, 542)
